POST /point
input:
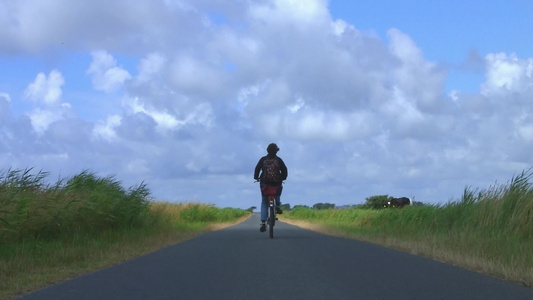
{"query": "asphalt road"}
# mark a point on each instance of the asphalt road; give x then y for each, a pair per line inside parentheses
(239, 262)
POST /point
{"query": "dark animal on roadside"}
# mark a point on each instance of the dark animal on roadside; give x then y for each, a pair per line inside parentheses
(399, 202)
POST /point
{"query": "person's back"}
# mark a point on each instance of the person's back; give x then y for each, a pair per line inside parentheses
(270, 171)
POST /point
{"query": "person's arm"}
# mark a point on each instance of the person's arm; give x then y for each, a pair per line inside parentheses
(258, 169)
(283, 168)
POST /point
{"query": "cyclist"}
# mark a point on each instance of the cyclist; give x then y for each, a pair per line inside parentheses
(273, 173)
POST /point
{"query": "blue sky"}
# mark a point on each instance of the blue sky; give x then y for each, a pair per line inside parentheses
(448, 31)
(404, 98)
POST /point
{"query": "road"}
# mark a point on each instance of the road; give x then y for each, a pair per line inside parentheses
(240, 262)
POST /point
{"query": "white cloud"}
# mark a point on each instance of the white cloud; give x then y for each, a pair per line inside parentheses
(107, 76)
(417, 78)
(333, 126)
(164, 120)
(106, 130)
(46, 89)
(403, 47)
(300, 13)
(169, 120)
(46, 93)
(42, 118)
(507, 74)
(340, 26)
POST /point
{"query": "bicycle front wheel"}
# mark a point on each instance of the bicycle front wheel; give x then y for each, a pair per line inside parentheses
(271, 222)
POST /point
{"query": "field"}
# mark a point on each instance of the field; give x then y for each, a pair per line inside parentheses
(52, 232)
(489, 231)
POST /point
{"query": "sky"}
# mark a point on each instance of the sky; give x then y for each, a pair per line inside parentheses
(401, 98)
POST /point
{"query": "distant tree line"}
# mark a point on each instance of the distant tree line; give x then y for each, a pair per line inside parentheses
(372, 202)
(287, 206)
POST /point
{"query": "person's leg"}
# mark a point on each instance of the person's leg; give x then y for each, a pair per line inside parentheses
(278, 203)
(264, 208)
(264, 213)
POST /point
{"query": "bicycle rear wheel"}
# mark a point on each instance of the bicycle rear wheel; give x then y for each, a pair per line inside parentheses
(272, 220)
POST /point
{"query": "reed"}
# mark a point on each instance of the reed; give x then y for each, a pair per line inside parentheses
(30, 208)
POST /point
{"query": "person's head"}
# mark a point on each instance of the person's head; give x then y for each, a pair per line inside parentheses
(272, 148)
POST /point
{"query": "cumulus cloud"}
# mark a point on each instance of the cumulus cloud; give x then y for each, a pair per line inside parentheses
(46, 89)
(507, 74)
(417, 78)
(216, 82)
(45, 92)
(106, 76)
(298, 13)
(42, 118)
(107, 130)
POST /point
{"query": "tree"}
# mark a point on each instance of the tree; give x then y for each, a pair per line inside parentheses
(323, 206)
(376, 202)
(251, 209)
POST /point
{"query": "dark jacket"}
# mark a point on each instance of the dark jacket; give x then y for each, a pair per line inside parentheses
(259, 167)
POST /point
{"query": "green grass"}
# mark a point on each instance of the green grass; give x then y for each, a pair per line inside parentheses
(490, 231)
(52, 232)
(32, 209)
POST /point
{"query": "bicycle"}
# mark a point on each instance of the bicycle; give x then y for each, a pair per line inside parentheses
(270, 192)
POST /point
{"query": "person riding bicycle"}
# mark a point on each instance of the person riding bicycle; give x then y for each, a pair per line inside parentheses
(273, 173)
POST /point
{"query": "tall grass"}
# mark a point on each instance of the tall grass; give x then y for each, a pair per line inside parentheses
(30, 208)
(487, 230)
(49, 232)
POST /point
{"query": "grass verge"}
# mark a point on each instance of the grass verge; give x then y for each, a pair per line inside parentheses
(31, 265)
(49, 233)
(488, 231)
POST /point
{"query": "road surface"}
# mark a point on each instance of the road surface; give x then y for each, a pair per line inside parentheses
(240, 262)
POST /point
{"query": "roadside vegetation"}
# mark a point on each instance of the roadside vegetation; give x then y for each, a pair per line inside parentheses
(489, 231)
(50, 232)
